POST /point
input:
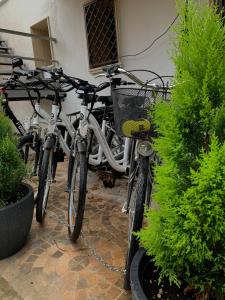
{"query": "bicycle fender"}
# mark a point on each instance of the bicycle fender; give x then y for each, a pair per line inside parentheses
(82, 146)
(49, 143)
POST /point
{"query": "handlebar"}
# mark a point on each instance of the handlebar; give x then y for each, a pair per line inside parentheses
(117, 69)
(102, 87)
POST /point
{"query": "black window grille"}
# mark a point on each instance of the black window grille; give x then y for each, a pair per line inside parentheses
(101, 32)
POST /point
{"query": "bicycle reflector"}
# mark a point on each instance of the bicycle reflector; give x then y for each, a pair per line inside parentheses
(2, 90)
(144, 148)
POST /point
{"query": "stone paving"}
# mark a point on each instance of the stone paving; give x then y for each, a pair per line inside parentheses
(50, 267)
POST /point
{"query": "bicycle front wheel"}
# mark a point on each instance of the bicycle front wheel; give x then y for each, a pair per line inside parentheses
(136, 212)
(77, 195)
(25, 143)
(23, 146)
(45, 179)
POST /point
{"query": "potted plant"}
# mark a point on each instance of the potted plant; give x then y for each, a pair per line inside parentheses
(16, 198)
(185, 235)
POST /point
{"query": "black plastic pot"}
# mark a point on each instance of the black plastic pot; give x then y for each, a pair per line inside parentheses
(144, 281)
(15, 223)
(136, 275)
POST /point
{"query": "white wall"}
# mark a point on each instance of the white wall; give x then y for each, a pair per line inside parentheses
(139, 23)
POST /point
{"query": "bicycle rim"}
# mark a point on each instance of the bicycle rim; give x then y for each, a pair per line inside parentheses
(73, 195)
(77, 196)
(47, 184)
(45, 178)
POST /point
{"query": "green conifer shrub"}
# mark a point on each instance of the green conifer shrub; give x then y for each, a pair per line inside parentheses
(12, 168)
(186, 236)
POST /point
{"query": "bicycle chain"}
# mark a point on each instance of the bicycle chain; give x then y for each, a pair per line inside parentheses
(89, 247)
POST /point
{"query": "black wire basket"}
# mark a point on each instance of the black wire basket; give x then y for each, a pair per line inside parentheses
(132, 109)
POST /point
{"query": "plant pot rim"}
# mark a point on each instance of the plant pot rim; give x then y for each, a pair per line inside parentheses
(136, 286)
(28, 194)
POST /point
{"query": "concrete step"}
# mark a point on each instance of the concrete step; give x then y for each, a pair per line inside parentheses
(5, 73)
(4, 48)
(5, 64)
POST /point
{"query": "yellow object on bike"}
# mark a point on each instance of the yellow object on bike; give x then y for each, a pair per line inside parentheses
(130, 127)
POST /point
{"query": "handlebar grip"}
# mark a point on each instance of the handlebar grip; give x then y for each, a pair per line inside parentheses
(102, 87)
(127, 83)
(70, 81)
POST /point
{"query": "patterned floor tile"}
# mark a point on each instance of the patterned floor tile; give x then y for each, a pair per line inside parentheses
(50, 267)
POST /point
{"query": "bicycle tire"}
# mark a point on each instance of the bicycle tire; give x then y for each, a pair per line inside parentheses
(136, 212)
(44, 185)
(77, 195)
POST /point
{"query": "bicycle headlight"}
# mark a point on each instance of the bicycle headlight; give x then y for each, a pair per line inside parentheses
(144, 148)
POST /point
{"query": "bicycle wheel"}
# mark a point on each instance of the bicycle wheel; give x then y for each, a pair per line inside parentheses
(45, 178)
(77, 195)
(136, 211)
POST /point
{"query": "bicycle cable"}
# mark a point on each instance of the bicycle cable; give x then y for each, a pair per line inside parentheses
(153, 42)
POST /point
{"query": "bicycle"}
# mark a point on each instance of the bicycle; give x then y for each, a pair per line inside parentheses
(54, 141)
(28, 130)
(104, 116)
(132, 119)
(80, 155)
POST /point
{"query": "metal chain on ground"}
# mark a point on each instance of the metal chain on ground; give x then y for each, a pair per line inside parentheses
(92, 250)
(100, 259)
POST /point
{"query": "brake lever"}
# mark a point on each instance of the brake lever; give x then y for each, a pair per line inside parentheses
(100, 75)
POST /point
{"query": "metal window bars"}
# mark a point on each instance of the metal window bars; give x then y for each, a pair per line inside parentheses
(101, 32)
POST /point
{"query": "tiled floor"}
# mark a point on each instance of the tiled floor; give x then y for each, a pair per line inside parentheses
(50, 267)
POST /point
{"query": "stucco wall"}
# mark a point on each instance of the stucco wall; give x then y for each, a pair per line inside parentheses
(139, 23)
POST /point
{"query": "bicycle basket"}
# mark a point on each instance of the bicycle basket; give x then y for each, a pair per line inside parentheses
(132, 111)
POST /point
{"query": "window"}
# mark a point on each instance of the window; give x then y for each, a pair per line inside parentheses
(41, 48)
(101, 33)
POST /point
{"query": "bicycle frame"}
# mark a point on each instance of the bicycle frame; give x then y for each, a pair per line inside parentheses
(89, 122)
(9, 113)
(52, 122)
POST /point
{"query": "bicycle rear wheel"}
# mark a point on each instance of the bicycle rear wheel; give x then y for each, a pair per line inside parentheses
(136, 212)
(77, 195)
(45, 178)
